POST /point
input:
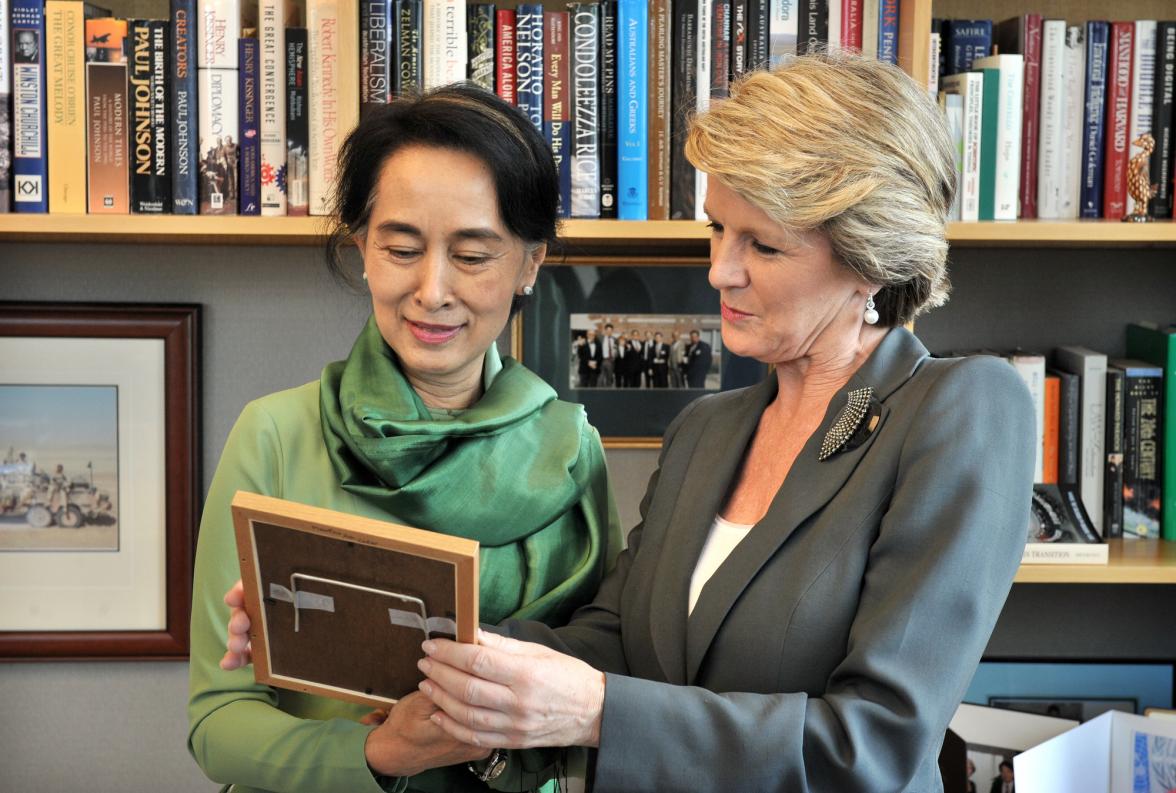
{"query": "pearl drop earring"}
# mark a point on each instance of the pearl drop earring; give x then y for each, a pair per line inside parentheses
(528, 291)
(871, 314)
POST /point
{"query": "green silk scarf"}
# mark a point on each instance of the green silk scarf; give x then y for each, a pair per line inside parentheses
(511, 472)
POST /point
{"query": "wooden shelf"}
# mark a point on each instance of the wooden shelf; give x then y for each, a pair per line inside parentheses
(1062, 233)
(1131, 562)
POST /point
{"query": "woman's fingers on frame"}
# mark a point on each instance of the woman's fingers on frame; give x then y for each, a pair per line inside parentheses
(468, 688)
(239, 621)
(473, 737)
(473, 717)
(237, 643)
(481, 660)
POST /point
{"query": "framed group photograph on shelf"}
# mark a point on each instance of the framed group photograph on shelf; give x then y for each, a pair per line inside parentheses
(633, 344)
(99, 479)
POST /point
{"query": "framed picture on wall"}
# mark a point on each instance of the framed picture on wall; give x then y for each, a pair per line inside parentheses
(99, 478)
(633, 344)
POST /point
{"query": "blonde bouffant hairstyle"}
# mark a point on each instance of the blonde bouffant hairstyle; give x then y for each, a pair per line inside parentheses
(852, 148)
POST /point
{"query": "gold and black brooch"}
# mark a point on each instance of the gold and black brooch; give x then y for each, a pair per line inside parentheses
(856, 421)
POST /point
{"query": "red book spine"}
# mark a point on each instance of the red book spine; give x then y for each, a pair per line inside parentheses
(1118, 149)
(1030, 114)
(851, 24)
(505, 38)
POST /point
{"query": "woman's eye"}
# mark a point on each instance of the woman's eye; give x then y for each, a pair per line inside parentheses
(402, 253)
(764, 249)
(717, 228)
(471, 258)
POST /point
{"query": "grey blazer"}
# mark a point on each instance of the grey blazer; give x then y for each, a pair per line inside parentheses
(831, 648)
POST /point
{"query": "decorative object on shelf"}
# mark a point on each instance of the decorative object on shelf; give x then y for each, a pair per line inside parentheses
(634, 345)
(1139, 183)
(99, 480)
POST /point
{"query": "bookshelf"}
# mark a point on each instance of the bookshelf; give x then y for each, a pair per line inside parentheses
(1131, 562)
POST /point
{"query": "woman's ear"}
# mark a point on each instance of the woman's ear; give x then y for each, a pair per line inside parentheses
(534, 260)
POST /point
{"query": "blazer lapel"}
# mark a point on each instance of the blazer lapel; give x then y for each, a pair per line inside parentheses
(700, 494)
(810, 485)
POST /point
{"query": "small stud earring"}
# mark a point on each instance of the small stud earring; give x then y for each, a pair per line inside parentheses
(528, 291)
(871, 314)
(365, 275)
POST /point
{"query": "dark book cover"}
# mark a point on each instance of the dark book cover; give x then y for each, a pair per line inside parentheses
(1059, 516)
(814, 26)
(161, 113)
(505, 46)
(480, 47)
(1069, 403)
(887, 30)
(758, 30)
(1094, 119)
(1113, 478)
(184, 153)
(151, 187)
(738, 38)
(1022, 35)
(557, 103)
(1162, 118)
(720, 48)
(585, 23)
(965, 40)
(297, 124)
(249, 164)
(1120, 55)
(375, 51)
(529, 62)
(410, 73)
(938, 27)
(608, 108)
(30, 161)
(1143, 396)
(684, 99)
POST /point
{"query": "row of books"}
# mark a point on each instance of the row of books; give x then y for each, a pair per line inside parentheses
(1106, 428)
(231, 108)
(1046, 117)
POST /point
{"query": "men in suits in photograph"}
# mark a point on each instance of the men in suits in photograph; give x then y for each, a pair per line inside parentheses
(660, 362)
(698, 361)
(1004, 782)
(634, 360)
(590, 360)
(647, 360)
(608, 348)
(677, 360)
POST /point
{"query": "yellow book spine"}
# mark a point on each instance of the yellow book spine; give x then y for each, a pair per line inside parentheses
(66, 95)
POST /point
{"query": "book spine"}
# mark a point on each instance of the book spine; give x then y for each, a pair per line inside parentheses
(323, 100)
(445, 42)
(1008, 137)
(410, 69)
(989, 153)
(782, 29)
(720, 59)
(506, 55)
(1141, 455)
(1049, 446)
(5, 110)
(150, 177)
(297, 172)
(738, 38)
(702, 97)
(185, 157)
(758, 33)
(1030, 115)
(1064, 553)
(529, 62)
(1097, 34)
(964, 40)
(1113, 475)
(683, 91)
(30, 145)
(585, 21)
(161, 115)
(1118, 119)
(272, 91)
(65, 73)
(1158, 347)
(1092, 370)
(833, 11)
(1032, 371)
(217, 93)
(556, 116)
(851, 25)
(608, 109)
(480, 24)
(1161, 160)
(374, 49)
(218, 26)
(953, 112)
(1049, 139)
(970, 86)
(888, 31)
(249, 110)
(633, 132)
(1143, 76)
(1072, 121)
(870, 11)
(814, 26)
(659, 110)
(1069, 401)
(108, 182)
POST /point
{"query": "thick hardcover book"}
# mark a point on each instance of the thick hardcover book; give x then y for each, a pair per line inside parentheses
(529, 62)
(445, 42)
(608, 109)
(480, 24)
(151, 188)
(1113, 476)
(505, 44)
(851, 25)
(333, 95)
(1158, 347)
(1097, 34)
(814, 25)
(272, 90)
(1116, 150)
(218, 26)
(1162, 120)
(989, 146)
(1011, 77)
(557, 103)
(659, 110)
(585, 22)
(758, 33)
(1069, 405)
(684, 91)
(1143, 452)
(783, 29)
(184, 109)
(30, 166)
(1091, 368)
(720, 56)
(249, 166)
(219, 134)
(633, 126)
(888, 31)
(1073, 117)
(1022, 35)
(375, 49)
(297, 124)
(5, 111)
(1052, 127)
(65, 73)
(410, 69)
(970, 87)
(965, 40)
(1143, 85)
(108, 188)
(738, 37)
(1031, 368)
(1060, 529)
(1049, 446)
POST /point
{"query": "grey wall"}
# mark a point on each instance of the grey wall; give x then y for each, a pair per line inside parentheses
(272, 319)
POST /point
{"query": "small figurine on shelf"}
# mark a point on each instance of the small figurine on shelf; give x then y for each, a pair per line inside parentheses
(1139, 179)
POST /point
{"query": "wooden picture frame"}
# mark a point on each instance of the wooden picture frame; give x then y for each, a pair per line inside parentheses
(130, 598)
(339, 604)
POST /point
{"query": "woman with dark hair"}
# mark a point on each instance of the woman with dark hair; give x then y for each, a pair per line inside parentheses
(451, 200)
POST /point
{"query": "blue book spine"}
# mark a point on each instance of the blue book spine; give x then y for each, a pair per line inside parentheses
(185, 198)
(30, 166)
(888, 31)
(632, 109)
(965, 40)
(529, 62)
(1097, 37)
(249, 189)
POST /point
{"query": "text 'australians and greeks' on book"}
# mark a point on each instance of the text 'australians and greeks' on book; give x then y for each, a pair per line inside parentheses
(633, 90)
